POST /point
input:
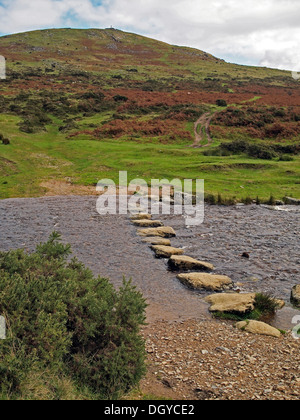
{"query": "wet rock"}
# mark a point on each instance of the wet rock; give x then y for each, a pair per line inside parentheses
(280, 303)
(199, 281)
(295, 297)
(147, 223)
(256, 327)
(185, 263)
(245, 255)
(162, 251)
(157, 241)
(163, 232)
(292, 201)
(231, 302)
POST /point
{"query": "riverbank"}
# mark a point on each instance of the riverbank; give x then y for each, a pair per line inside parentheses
(181, 330)
(211, 360)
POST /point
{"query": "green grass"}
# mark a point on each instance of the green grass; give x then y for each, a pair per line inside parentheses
(31, 159)
(265, 306)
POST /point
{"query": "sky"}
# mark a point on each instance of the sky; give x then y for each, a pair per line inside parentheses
(253, 32)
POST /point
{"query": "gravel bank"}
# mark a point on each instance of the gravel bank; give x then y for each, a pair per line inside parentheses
(213, 360)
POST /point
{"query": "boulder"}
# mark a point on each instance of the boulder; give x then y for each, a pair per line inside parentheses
(163, 232)
(232, 302)
(184, 263)
(147, 223)
(295, 297)
(162, 251)
(256, 327)
(141, 216)
(199, 281)
(157, 241)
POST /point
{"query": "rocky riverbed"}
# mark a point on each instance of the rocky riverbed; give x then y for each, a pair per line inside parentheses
(190, 356)
(110, 246)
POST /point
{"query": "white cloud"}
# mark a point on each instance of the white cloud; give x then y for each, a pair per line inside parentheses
(265, 32)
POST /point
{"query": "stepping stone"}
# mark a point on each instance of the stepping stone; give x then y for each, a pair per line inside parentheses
(295, 297)
(232, 302)
(141, 216)
(147, 223)
(256, 327)
(280, 303)
(157, 241)
(199, 281)
(163, 232)
(166, 251)
(184, 263)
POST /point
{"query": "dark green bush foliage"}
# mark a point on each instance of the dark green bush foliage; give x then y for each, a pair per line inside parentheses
(63, 321)
(254, 150)
(221, 102)
(4, 140)
(120, 98)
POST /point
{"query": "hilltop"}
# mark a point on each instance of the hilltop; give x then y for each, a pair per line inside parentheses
(80, 105)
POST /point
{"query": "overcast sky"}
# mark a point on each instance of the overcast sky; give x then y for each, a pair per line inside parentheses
(256, 32)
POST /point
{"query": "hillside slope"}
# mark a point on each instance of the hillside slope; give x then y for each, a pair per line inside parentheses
(79, 105)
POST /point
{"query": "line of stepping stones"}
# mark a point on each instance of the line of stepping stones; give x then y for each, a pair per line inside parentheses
(195, 274)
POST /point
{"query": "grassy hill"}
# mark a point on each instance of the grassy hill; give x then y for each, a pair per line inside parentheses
(81, 105)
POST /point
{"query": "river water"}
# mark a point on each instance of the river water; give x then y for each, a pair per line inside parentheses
(110, 246)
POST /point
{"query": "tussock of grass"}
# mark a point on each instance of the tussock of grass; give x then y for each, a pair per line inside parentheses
(265, 306)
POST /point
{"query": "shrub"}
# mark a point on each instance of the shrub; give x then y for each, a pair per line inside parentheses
(221, 102)
(235, 147)
(261, 152)
(62, 321)
(120, 98)
(4, 140)
(286, 158)
(271, 201)
(265, 304)
(210, 199)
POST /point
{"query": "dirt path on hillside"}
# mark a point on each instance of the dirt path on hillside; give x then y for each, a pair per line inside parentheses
(204, 122)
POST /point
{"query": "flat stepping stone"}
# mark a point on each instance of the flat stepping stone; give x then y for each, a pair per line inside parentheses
(256, 327)
(157, 241)
(141, 216)
(184, 263)
(295, 297)
(147, 223)
(162, 251)
(232, 302)
(163, 232)
(199, 281)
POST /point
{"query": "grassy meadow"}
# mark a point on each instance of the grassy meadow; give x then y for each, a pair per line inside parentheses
(82, 105)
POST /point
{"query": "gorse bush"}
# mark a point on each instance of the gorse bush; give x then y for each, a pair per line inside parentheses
(254, 150)
(63, 324)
